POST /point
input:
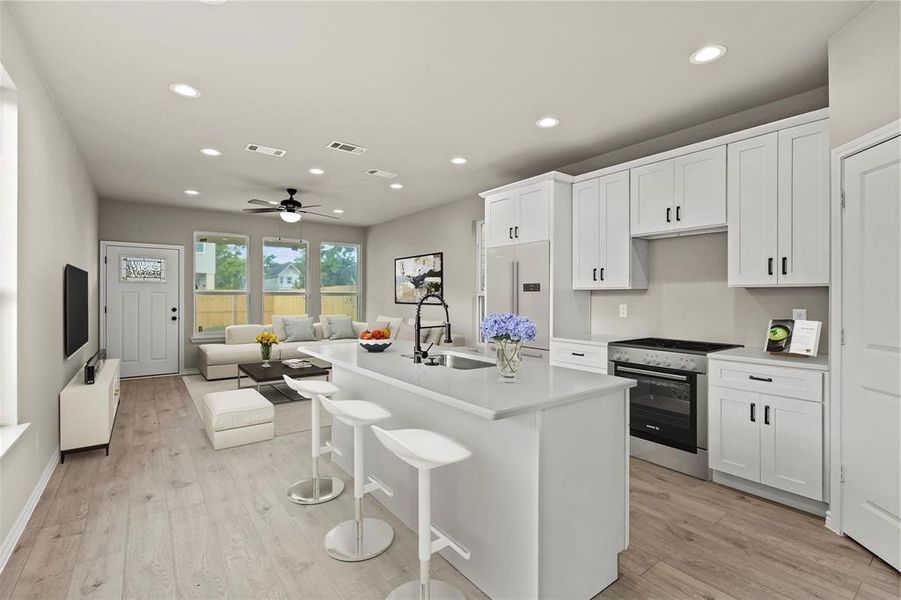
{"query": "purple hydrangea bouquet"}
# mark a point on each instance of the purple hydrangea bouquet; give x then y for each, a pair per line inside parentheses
(508, 331)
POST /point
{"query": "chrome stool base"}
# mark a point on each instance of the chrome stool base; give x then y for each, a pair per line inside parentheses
(305, 492)
(341, 542)
(438, 590)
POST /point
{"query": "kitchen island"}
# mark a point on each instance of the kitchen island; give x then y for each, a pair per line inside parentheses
(542, 503)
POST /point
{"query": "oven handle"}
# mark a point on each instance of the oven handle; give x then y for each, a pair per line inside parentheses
(654, 373)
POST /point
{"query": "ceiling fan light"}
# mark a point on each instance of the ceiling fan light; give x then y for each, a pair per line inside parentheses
(289, 217)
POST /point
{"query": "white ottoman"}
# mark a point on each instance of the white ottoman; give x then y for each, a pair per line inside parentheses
(237, 417)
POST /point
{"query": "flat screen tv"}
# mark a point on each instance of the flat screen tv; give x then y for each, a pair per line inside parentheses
(75, 298)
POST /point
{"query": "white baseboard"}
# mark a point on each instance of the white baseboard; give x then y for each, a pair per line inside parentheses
(12, 538)
(191, 371)
(813, 507)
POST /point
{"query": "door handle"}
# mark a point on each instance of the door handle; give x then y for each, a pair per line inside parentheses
(766, 415)
(602, 273)
(513, 286)
(785, 265)
(678, 217)
(594, 274)
(769, 266)
(510, 233)
(753, 412)
(516, 287)
(668, 215)
(516, 232)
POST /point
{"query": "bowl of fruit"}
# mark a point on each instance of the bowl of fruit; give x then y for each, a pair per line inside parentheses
(376, 340)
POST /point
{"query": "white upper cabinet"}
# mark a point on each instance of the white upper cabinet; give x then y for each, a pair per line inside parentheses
(652, 198)
(804, 205)
(778, 200)
(518, 216)
(700, 189)
(604, 254)
(687, 193)
(752, 194)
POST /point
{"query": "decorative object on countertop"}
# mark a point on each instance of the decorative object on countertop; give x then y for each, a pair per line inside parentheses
(508, 331)
(793, 336)
(417, 276)
(376, 340)
(266, 339)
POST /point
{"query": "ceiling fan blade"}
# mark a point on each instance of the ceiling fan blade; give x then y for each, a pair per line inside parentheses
(305, 206)
(262, 202)
(319, 215)
(261, 210)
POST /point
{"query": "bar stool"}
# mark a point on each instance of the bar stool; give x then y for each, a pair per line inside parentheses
(426, 450)
(316, 489)
(358, 538)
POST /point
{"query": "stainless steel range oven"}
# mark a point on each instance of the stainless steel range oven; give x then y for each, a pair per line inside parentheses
(668, 408)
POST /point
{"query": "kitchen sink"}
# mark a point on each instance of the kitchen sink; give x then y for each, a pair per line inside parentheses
(454, 361)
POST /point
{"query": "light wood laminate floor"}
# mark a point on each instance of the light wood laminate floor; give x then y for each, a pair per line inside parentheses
(165, 516)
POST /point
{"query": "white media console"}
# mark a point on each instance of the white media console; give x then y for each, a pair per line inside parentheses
(87, 411)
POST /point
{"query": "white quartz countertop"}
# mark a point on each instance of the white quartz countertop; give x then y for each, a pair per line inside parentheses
(761, 357)
(477, 391)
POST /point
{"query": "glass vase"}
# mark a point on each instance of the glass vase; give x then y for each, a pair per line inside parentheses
(509, 359)
(266, 352)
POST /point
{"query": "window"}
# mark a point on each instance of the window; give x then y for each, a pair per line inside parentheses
(220, 282)
(284, 278)
(339, 277)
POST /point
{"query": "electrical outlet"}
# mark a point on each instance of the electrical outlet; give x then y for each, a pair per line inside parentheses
(799, 314)
(623, 311)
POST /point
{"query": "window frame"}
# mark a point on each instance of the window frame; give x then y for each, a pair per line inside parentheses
(207, 335)
(359, 292)
(264, 292)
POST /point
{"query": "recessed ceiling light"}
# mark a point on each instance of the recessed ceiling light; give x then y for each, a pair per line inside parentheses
(191, 192)
(397, 186)
(214, 2)
(338, 211)
(210, 152)
(184, 89)
(547, 122)
(317, 171)
(459, 160)
(707, 54)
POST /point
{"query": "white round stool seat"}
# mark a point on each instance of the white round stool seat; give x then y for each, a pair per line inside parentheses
(355, 412)
(309, 387)
(422, 448)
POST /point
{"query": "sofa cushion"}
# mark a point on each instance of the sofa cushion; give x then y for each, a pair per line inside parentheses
(298, 329)
(340, 327)
(235, 408)
(278, 324)
(244, 334)
(231, 354)
(394, 324)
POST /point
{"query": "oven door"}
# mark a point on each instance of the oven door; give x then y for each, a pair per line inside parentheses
(664, 406)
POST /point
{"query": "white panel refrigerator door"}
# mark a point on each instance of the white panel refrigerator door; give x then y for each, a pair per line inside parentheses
(499, 279)
(532, 272)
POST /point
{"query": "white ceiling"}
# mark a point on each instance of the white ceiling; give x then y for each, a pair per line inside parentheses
(416, 83)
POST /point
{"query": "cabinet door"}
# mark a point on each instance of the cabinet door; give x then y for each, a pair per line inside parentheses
(700, 189)
(734, 434)
(804, 205)
(501, 215)
(615, 241)
(586, 234)
(791, 445)
(751, 199)
(499, 284)
(533, 223)
(652, 198)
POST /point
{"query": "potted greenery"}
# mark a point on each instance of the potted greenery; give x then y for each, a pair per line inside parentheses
(266, 340)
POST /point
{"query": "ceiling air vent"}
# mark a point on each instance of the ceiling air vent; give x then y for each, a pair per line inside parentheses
(345, 147)
(382, 174)
(265, 150)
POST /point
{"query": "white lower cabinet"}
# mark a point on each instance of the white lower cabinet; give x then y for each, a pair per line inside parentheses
(773, 440)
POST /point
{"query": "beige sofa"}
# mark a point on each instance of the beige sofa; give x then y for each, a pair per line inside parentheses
(220, 360)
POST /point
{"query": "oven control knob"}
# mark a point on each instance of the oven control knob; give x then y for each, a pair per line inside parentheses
(664, 362)
(690, 364)
(652, 360)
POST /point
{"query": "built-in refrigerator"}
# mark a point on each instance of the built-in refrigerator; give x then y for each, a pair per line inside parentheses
(518, 281)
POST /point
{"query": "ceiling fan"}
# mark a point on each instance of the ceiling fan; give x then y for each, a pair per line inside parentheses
(289, 209)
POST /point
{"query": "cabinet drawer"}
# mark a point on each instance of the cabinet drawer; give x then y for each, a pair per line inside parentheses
(778, 381)
(579, 355)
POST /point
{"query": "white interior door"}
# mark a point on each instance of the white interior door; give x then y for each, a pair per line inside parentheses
(871, 356)
(142, 317)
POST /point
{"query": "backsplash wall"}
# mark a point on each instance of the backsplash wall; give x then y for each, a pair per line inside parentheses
(688, 298)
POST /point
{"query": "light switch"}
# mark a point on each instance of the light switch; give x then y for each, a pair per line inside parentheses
(799, 314)
(623, 311)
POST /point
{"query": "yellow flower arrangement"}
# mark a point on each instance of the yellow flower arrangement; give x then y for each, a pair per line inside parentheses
(266, 338)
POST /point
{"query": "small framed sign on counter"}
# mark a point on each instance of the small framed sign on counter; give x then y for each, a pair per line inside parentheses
(796, 337)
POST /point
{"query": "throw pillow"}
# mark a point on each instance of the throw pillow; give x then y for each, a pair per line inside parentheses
(340, 327)
(378, 325)
(278, 325)
(299, 329)
(394, 324)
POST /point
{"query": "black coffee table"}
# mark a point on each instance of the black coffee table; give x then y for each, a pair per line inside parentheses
(273, 375)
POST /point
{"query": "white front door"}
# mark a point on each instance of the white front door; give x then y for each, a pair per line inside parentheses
(143, 285)
(871, 356)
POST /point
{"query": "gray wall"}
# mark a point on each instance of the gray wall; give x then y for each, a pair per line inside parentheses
(148, 223)
(57, 224)
(448, 228)
(865, 73)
